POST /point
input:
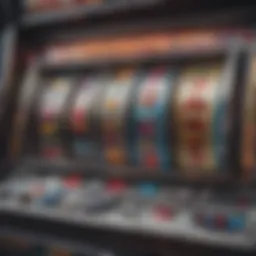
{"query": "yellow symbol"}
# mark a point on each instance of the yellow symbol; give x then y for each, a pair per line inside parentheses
(115, 156)
(48, 128)
(112, 105)
(125, 73)
(112, 125)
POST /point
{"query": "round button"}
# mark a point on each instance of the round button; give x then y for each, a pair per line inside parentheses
(221, 221)
(163, 213)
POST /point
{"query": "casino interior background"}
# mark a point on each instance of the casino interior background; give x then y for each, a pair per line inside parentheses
(127, 127)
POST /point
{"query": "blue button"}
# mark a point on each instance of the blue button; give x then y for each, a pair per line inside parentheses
(236, 222)
(148, 189)
(209, 221)
(52, 199)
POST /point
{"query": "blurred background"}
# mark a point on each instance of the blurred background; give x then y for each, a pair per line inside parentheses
(127, 127)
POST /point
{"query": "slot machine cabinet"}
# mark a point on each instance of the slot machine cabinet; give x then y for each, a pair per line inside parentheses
(117, 202)
(150, 198)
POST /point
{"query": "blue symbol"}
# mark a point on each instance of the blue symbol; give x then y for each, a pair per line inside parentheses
(81, 147)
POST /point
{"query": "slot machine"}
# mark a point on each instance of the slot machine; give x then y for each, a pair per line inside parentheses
(170, 116)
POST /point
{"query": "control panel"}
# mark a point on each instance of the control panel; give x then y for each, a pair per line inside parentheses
(195, 214)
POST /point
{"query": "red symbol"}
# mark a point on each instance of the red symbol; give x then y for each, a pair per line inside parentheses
(146, 128)
(195, 143)
(78, 121)
(197, 157)
(196, 125)
(52, 152)
(148, 100)
(151, 161)
(78, 115)
(194, 104)
(201, 84)
(47, 115)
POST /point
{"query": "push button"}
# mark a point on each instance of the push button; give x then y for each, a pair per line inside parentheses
(163, 213)
(52, 199)
(209, 222)
(73, 182)
(148, 189)
(199, 219)
(221, 221)
(236, 222)
(116, 186)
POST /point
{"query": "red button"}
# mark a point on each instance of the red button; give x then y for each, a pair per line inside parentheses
(220, 221)
(73, 181)
(164, 213)
(116, 185)
(52, 152)
(199, 218)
